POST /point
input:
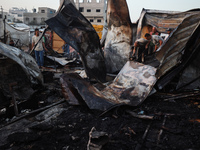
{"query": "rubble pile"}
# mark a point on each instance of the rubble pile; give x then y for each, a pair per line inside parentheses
(100, 100)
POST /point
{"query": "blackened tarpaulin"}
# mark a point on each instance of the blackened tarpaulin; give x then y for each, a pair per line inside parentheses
(20, 69)
(26, 61)
(79, 89)
(77, 31)
(131, 87)
(190, 77)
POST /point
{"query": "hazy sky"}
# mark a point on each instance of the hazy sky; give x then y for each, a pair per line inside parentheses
(135, 6)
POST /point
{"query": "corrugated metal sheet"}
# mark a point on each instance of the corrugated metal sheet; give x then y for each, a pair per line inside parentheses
(190, 77)
(172, 50)
(178, 50)
(161, 19)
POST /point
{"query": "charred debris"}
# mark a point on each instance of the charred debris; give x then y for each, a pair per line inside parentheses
(98, 98)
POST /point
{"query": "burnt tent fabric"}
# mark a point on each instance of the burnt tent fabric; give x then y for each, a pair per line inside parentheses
(77, 31)
(68, 24)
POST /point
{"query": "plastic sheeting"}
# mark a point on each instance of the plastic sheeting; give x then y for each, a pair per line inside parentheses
(21, 35)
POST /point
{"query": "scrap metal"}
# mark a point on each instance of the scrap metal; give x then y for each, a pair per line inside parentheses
(135, 81)
(62, 61)
(177, 52)
(131, 87)
(80, 90)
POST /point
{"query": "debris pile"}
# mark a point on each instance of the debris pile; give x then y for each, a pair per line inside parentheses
(77, 104)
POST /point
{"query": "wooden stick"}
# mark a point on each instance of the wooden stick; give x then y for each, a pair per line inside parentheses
(140, 116)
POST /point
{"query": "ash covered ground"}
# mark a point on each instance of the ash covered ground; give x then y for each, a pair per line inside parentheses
(174, 124)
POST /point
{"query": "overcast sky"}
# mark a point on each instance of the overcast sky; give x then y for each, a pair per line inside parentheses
(135, 6)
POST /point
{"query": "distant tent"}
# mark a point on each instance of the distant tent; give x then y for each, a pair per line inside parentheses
(19, 35)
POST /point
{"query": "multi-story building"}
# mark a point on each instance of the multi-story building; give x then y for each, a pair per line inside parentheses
(16, 14)
(93, 10)
(38, 18)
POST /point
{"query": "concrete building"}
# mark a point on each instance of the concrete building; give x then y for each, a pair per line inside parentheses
(93, 10)
(38, 18)
(11, 18)
(16, 14)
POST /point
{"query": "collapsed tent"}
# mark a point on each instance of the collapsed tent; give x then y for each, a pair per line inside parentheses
(21, 37)
(135, 81)
(178, 51)
(18, 69)
(131, 87)
(77, 31)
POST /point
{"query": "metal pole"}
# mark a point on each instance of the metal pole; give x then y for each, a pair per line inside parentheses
(4, 35)
(2, 11)
(4, 19)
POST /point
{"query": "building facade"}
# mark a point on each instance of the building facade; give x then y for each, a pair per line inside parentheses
(16, 14)
(38, 18)
(93, 10)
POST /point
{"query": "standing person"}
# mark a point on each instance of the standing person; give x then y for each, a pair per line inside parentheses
(140, 47)
(151, 45)
(39, 51)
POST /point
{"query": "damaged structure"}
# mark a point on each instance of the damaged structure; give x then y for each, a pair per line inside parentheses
(18, 66)
(20, 76)
(77, 31)
(157, 123)
(136, 81)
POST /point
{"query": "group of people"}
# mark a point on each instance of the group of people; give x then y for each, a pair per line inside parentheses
(142, 47)
(147, 45)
